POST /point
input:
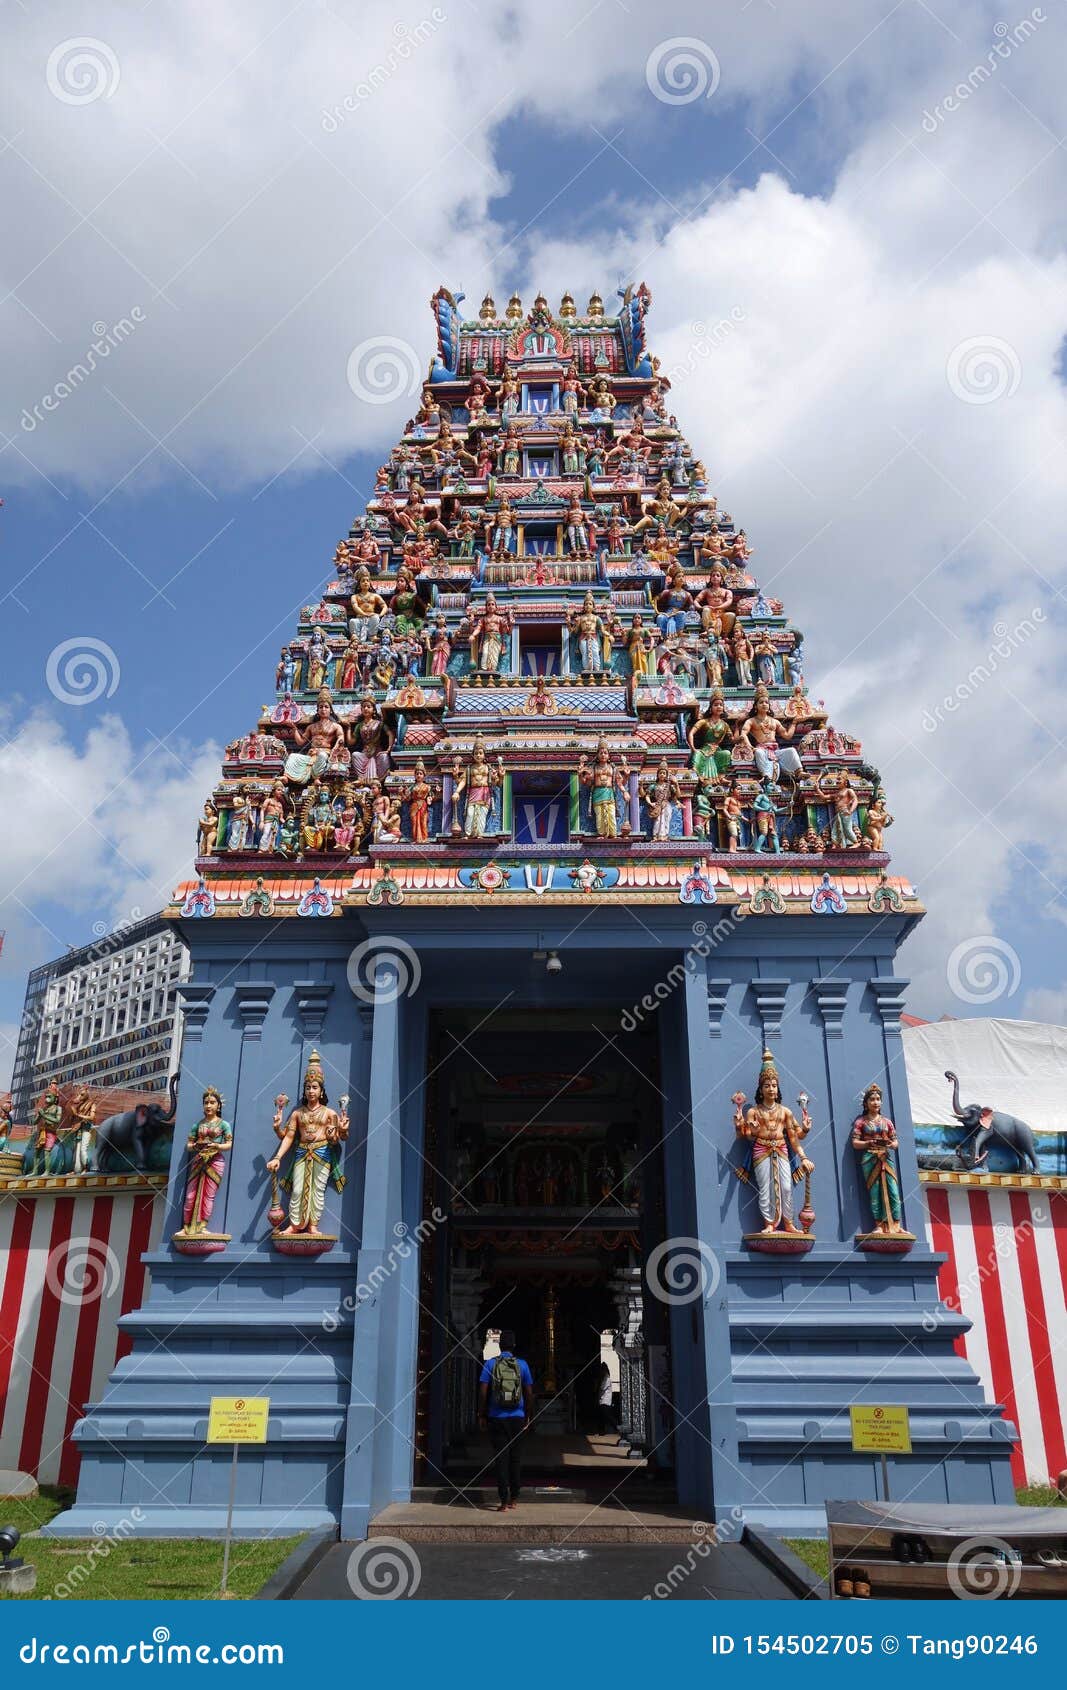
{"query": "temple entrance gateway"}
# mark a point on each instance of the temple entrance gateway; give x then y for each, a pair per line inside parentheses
(545, 1155)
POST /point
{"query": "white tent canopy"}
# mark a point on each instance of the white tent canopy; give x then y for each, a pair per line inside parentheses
(1018, 1066)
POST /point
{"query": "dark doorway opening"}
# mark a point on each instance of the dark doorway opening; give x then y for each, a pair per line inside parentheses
(543, 1176)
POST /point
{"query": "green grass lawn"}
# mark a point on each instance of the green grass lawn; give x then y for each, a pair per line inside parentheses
(815, 1551)
(169, 1569)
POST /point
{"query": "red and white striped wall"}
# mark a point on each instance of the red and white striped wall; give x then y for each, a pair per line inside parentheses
(70, 1265)
(1007, 1272)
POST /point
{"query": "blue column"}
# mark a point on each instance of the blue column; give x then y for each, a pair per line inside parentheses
(369, 1435)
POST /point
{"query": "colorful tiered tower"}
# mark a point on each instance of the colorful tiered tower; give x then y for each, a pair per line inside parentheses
(542, 742)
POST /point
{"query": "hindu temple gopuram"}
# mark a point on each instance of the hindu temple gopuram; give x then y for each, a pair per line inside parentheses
(543, 942)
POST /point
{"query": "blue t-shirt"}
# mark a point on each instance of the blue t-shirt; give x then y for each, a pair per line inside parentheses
(495, 1411)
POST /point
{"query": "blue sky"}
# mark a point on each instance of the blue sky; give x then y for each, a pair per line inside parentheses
(903, 523)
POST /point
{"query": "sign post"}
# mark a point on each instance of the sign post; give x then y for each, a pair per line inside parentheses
(881, 1429)
(236, 1421)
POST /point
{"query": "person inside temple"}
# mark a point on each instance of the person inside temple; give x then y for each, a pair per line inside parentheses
(505, 1407)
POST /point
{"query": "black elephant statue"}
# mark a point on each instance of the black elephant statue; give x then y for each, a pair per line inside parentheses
(981, 1123)
(125, 1142)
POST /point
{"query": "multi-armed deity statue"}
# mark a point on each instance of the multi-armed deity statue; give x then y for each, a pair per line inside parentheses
(543, 581)
(314, 1134)
(775, 1162)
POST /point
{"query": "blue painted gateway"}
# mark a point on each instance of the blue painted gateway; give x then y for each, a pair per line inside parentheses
(544, 960)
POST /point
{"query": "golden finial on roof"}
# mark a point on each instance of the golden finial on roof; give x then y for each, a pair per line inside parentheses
(514, 310)
(566, 307)
(487, 314)
(595, 307)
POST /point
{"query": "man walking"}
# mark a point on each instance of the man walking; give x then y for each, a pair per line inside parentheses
(505, 1405)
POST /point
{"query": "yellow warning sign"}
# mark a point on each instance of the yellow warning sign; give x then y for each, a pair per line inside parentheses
(880, 1428)
(238, 1420)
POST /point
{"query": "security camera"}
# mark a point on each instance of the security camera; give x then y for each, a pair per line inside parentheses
(553, 965)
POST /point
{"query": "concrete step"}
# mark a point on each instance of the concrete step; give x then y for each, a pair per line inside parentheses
(537, 1522)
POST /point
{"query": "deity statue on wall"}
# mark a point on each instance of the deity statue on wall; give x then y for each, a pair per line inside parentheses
(487, 636)
(207, 830)
(323, 737)
(593, 635)
(315, 1134)
(81, 1139)
(208, 1145)
(874, 1138)
(420, 795)
(844, 830)
(366, 608)
(370, 740)
(763, 732)
(604, 781)
(475, 783)
(639, 643)
(673, 605)
(318, 659)
(711, 740)
(45, 1122)
(876, 821)
(775, 1159)
(661, 798)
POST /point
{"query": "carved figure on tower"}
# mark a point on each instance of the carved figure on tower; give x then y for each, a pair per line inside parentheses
(773, 1137)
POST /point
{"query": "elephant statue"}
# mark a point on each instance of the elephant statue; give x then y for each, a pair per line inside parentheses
(124, 1142)
(981, 1123)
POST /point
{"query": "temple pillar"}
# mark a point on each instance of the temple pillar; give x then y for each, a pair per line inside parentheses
(467, 1290)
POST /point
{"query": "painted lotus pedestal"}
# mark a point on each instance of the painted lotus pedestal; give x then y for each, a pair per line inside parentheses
(541, 767)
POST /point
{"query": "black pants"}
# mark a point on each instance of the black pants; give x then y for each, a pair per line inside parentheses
(506, 1438)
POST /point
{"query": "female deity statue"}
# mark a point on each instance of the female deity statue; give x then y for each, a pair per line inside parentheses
(208, 1145)
(711, 740)
(765, 655)
(347, 823)
(594, 638)
(487, 636)
(774, 1137)
(639, 643)
(604, 780)
(349, 667)
(762, 732)
(661, 797)
(421, 794)
(408, 609)
(315, 1134)
(323, 736)
(439, 647)
(510, 394)
(477, 782)
(370, 741)
(465, 533)
(367, 608)
(874, 1138)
